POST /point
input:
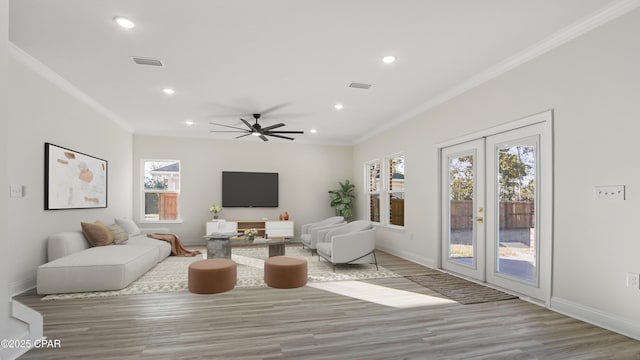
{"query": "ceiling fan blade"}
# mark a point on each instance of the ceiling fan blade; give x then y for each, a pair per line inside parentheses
(233, 127)
(241, 136)
(282, 137)
(263, 138)
(273, 108)
(272, 127)
(247, 123)
(230, 131)
(286, 132)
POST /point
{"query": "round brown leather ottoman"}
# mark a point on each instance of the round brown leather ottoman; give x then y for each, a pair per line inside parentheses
(212, 276)
(284, 272)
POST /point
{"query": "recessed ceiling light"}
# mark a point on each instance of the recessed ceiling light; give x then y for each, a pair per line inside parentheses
(313, 131)
(338, 106)
(124, 22)
(388, 59)
(168, 91)
(188, 122)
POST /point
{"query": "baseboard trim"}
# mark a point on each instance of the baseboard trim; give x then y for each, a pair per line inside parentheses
(410, 257)
(596, 317)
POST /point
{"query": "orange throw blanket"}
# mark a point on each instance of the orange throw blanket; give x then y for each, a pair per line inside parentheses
(176, 247)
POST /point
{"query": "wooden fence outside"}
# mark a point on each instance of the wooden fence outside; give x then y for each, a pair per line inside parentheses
(513, 214)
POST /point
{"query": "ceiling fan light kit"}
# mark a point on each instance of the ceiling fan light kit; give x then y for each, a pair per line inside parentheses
(258, 131)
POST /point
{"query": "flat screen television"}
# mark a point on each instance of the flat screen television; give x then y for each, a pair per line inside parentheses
(249, 189)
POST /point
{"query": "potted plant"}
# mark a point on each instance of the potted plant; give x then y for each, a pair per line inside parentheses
(342, 199)
(215, 209)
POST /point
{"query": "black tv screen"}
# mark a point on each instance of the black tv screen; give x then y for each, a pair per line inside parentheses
(249, 189)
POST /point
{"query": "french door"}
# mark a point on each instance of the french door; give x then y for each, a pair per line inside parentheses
(463, 207)
(496, 209)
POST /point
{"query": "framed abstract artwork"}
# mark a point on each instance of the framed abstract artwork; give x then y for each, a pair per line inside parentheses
(73, 180)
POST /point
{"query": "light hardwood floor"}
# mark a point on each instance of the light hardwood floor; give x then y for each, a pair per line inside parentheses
(308, 323)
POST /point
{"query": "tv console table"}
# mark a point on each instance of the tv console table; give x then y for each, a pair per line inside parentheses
(266, 228)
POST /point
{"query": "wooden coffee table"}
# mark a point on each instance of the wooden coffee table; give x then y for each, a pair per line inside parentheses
(276, 246)
(221, 247)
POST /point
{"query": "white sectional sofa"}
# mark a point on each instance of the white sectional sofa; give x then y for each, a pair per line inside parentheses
(75, 266)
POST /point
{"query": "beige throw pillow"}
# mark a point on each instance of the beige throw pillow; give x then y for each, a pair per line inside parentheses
(128, 225)
(120, 236)
(97, 233)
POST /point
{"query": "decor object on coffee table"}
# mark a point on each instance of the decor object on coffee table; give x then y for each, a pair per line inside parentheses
(285, 272)
(250, 234)
(212, 276)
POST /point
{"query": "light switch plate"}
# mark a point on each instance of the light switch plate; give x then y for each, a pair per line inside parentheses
(15, 191)
(609, 192)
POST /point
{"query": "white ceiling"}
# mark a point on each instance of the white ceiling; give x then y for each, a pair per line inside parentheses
(293, 59)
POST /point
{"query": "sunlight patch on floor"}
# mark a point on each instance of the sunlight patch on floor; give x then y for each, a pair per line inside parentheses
(379, 294)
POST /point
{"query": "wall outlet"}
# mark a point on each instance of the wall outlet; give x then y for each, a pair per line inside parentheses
(633, 280)
(609, 192)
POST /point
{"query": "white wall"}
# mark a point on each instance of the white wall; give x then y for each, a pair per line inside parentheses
(593, 85)
(40, 111)
(4, 184)
(306, 173)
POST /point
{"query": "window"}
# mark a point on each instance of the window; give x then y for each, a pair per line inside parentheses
(373, 184)
(161, 184)
(385, 190)
(396, 190)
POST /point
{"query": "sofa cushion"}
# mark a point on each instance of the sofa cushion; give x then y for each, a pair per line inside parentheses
(163, 248)
(65, 243)
(120, 235)
(97, 234)
(96, 269)
(129, 226)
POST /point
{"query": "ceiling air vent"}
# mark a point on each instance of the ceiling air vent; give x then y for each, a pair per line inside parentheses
(360, 85)
(147, 61)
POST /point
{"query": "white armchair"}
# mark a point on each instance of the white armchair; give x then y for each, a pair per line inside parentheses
(353, 243)
(310, 231)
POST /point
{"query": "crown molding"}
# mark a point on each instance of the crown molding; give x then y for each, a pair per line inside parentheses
(46, 72)
(602, 16)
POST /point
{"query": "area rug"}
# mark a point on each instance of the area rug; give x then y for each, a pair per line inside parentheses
(462, 291)
(171, 274)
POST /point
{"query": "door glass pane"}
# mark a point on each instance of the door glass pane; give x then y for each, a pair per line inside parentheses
(517, 254)
(461, 209)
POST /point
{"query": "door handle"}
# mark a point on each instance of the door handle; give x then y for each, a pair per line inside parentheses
(480, 220)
